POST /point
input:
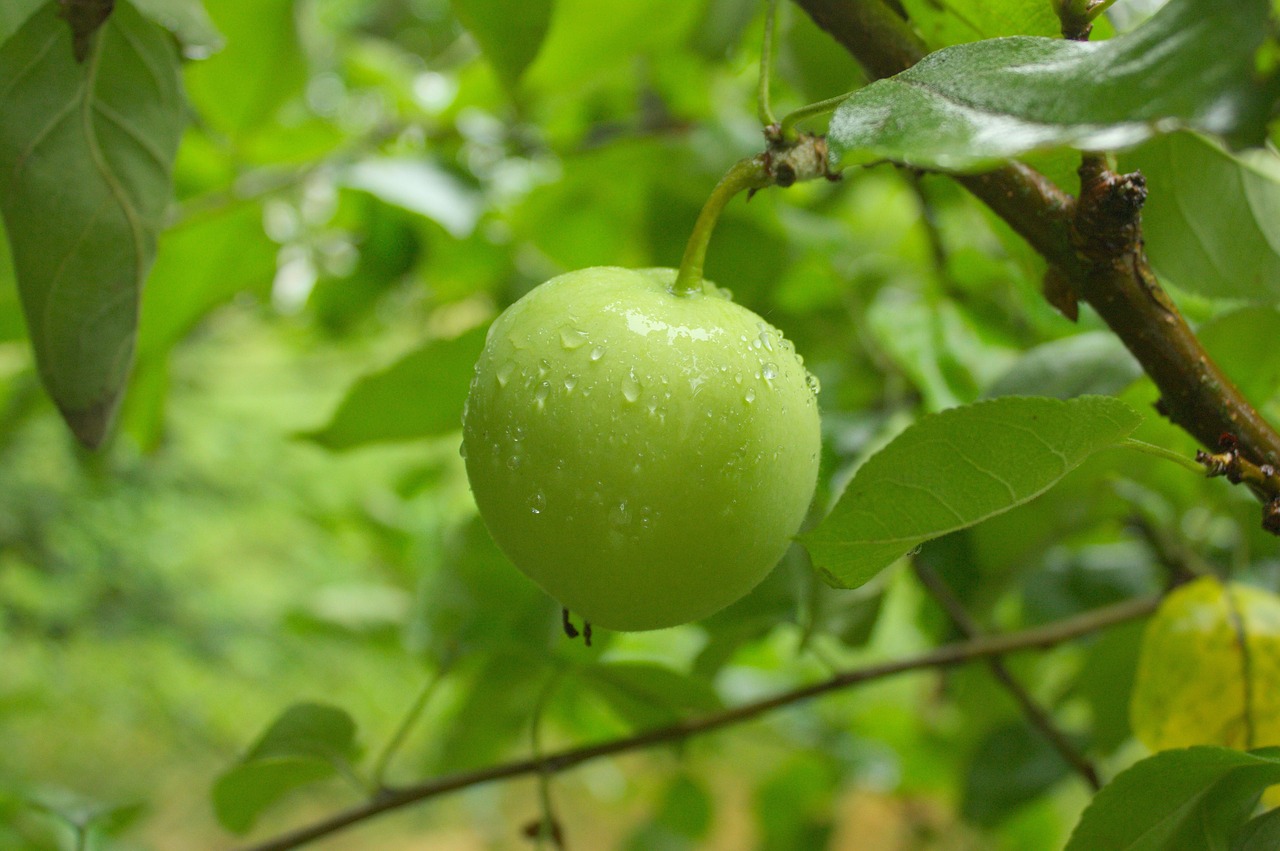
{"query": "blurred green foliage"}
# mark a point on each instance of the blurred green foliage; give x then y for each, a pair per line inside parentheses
(360, 190)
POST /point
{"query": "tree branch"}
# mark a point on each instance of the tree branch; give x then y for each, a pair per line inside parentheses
(941, 657)
(1096, 245)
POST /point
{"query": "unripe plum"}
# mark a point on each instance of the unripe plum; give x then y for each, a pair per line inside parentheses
(644, 455)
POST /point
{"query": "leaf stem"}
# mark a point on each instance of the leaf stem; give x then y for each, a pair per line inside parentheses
(786, 127)
(1161, 452)
(401, 733)
(745, 174)
(766, 64)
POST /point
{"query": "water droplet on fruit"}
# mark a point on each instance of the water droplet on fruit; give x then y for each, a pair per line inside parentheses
(815, 386)
(630, 387)
(652, 404)
(620, 515)
(503, 372)
(544, 366)
(462, 450)
(737, 379)
(513, 463)
(540, 395)
(570, 382)
(766, 340)
(751, 395)
(769, 371)
(537, 502)
(597, 353)
(572, 338)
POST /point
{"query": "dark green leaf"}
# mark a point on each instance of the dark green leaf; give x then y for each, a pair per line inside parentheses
(420, 395)
(1189, 800)
(1212, 218)
(1094, 363)
(508, 31)
(647, 695)
(1012, 766)
(14, 13)
(86, 152)
(307, 743)
(1260, 834)
(243, 793)
(969, 106)
(1233, 341)
(957, 468)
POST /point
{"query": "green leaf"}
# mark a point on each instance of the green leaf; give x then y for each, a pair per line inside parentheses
(957, 468)
(14, 13)
(420, 395)
(1189, 800)
(189, 21)
(1212, 218)
(86, 152)
(261, 68)
(1011, 767)
(1260, 834)
(972, 105)
(946, 22)
(1232, 340)
(510, 32)
(648, 695)
(307, 743)
(1093, 363)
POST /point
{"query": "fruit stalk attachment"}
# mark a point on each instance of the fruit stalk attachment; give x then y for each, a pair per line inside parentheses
(783, 163)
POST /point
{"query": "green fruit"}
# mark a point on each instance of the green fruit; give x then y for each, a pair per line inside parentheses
(644, 456)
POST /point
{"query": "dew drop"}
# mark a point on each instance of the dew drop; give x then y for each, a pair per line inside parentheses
(620, 515)
(540, 395)
(630, 387)
(737, 379)
(462, 450)
(503, 372)
(537, 502)
(570, 382)
(766, 341)
(769, 371)
(544, 366)
(513, 463)
(815, 386)
(751, 395)
(597, 353)
(572, 338)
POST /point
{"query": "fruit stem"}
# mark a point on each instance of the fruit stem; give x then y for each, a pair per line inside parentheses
(749, 173)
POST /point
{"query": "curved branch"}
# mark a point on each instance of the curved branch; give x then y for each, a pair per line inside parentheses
(1080, 241)
(942, 657)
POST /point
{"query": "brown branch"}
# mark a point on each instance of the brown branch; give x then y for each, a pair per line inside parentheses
(1095, 245)
(1034, 712)
(948, 655)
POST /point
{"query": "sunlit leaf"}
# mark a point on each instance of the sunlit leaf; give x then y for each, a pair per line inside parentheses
(1189, 800)
(420, 395)
(969, 106)
(955, 469)
(1209, 673)
(86, 151)
(508, 31)
(1212, 218)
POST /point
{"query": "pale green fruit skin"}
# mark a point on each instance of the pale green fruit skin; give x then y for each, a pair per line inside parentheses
(643, 456)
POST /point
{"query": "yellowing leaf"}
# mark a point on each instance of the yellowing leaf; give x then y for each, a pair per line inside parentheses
(1209, 673)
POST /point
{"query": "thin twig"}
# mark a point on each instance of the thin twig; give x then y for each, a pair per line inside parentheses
(1036, 714)
(958, 653)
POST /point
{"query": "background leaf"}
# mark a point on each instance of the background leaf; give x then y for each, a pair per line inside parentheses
(947, 22)
(420, 395)
(972, 105)
(14, 14)
(955, 469)
(85, 158)
(1212, 218)
(1092, 363)
(1185, 799)
(189, 21)
(648, 695)
(508, 31)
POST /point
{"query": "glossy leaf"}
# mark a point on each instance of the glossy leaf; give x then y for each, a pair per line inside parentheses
(307, 743)
(957, 468)
(1212, 218)
(972, 105)
(1189, 800)
(508, 31)
(86, 152)
(1209, 673)
(420, 395)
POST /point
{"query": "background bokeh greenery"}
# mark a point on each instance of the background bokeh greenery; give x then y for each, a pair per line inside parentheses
(360, 185)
